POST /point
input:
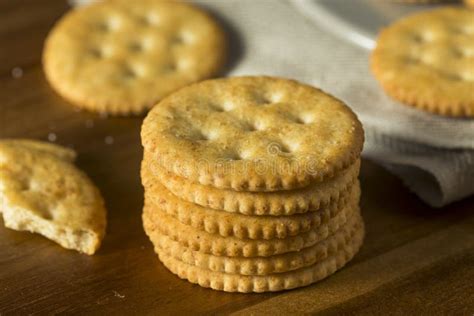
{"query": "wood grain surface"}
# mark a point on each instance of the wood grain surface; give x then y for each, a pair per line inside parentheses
(416, 260)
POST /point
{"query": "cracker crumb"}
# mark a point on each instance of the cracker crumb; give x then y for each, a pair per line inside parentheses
(17, 73)
(109, 140)
(117, 294)
(52, 137)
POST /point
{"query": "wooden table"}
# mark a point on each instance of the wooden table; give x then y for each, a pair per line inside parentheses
(416, 260)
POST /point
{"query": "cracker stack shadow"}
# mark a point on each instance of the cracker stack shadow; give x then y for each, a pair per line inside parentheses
(251, 184)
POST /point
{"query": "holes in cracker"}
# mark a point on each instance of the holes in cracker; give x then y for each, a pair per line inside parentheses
(252, 126)
(102, 51)
(150, 19)
(452, 76)
(249, 128)
(285, 149)
(136, 47)
(268, 98)
(463, 30)
(96, 53)
(412, 59)
(233, 156)
(103, 27)
(423, 37)
(25, 185)
(129, 73)
(223, 107)
(303, 119)
(460, 76)
(177, 40)
(463, 52)
(109, 25)
(458, 52)
(210, 135)
(263, 100)
(467, 76)
(227, 106)
(198, 136)
(169, 68)
(216, 108)
(183, 37)
(245, 154)
(276, 97)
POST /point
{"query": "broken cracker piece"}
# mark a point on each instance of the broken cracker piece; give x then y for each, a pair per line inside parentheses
(41, 191)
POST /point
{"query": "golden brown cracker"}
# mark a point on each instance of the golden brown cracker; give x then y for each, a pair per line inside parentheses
(426, 60)
(122, 57)
(154, 218)
(316, 196)
(41, 191)
(252, 134)
(262, 283)
(261, 265)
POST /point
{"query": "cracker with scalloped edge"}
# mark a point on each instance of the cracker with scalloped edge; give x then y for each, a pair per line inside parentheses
(155, 218)
(252, 134)
(426, 60)
(321, 195)
(63, 153)
(260, 265)
(121, 57)
(231, 282)
(242, 226)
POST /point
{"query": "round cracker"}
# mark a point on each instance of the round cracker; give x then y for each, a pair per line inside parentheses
(260, 265)
(154, 218)
(244, 226)
(316, 196)
(122, 57)
(60, 152)
(426, 60)
(252, 134)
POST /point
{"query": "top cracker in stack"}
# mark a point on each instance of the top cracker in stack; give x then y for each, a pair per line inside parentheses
(251, 183)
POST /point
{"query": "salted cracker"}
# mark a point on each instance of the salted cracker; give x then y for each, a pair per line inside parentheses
(244, 226)
(252, 134)
(313, 197)
(41, 191)
(154, 218)
(426, 60)
(231, 282)
(121, 57)
(345, 236)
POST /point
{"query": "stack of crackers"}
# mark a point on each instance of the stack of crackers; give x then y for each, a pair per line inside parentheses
(251, 183)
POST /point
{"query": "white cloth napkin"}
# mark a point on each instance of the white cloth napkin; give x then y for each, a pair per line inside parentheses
(433, 155)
